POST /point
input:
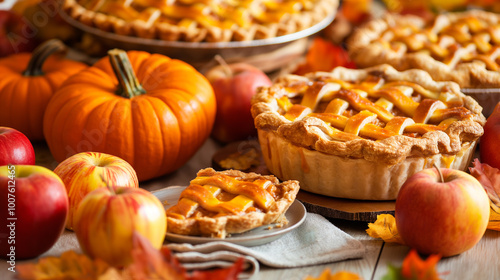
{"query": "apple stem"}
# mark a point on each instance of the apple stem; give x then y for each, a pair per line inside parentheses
(110, 188)
(224, 65)
(439, 171)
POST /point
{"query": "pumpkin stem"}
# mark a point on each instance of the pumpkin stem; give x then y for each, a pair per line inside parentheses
(129, 85)
(40, 54)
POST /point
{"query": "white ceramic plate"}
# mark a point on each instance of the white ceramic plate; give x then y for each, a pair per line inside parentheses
(296, 215)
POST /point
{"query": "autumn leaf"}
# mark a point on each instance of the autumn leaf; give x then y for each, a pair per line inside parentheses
(414, 268)
(148, 263)
(324, 56)
(489, 177)
(341, 275)
(69, 265)
(385, 228)
(229, 273)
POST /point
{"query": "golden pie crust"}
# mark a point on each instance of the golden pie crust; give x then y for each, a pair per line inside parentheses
(201, 20)
(463, 47)
(220, 203)
(360, 133)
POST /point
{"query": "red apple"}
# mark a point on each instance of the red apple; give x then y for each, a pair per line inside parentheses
(87, 171)
(234, 85)
(489, 146)
(15, 147)
(107, 218)
(35, 206)
(15, 34)
(445, 217)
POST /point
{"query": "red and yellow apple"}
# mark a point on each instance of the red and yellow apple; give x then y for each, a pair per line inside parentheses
(87, 171)
(442, 216)
(107, 218)
(15, 147)
(489, 146)
(16, 35)
(234, 86)
(35, 206)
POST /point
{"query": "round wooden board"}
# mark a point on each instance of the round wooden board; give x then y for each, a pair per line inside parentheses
(346, 209)
(331, 207)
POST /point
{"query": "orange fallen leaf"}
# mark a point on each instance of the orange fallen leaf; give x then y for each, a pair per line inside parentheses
(69, 265)
(324, 56)
(489, 177)
(416, 268)
(148, 263)
(385, 228)
(341, 275)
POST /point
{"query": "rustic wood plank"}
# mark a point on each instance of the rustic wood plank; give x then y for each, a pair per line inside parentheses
(480, 262)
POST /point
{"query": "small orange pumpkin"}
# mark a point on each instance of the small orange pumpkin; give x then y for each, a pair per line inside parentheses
(155, 121)
(28, 81)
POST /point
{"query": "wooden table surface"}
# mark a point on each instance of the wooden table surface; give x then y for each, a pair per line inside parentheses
(480, 262)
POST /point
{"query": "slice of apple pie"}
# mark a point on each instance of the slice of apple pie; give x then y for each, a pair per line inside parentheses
(217, 204)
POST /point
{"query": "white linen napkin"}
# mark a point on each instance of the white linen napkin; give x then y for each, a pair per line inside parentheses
(316, 241)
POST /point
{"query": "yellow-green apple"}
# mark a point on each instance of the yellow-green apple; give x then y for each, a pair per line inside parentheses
(444, 215)
(108, 217)
(35, 206)
(489, 146)
(234, 86)
(87, 171)
(15, 147)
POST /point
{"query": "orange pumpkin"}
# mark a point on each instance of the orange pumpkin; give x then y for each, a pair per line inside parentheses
(155, 121)
(28, 81)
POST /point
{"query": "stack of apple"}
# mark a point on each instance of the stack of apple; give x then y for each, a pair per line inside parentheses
(94, 194)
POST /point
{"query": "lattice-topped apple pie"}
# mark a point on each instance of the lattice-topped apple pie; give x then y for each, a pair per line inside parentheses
(360, 133)
(201, 20)
(463, 47)
(217, 204)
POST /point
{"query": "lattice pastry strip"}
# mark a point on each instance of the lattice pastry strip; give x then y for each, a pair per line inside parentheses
(430, 114)
(204, 191)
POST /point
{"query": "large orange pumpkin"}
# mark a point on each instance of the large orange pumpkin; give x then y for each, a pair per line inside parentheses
(28, 81)
(150, 110)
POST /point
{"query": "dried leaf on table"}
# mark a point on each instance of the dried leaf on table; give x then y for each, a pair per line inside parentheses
(489, 177)
(341, 275)
(385, 228)
(324, 56)
(241, 160)
(414, 268)
(69, 265)
(149, 263)
(228, 273)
